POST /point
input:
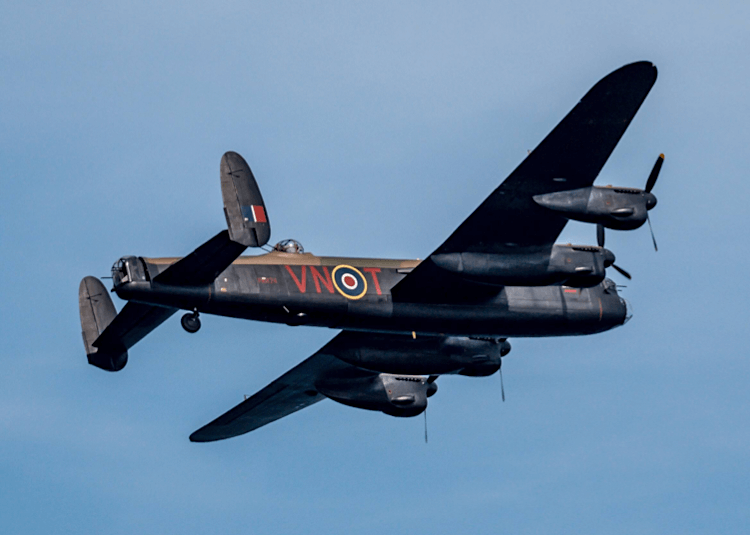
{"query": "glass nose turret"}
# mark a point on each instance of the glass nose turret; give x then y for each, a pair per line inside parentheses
(628, 310)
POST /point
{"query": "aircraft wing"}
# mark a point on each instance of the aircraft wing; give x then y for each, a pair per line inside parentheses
(570, 157)
(289, 393)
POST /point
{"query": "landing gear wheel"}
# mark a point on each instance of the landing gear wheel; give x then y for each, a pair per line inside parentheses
(190, 322)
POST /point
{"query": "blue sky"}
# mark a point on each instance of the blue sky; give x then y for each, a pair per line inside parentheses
(373, 129)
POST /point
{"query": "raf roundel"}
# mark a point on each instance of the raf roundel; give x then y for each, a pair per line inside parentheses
(349, 282)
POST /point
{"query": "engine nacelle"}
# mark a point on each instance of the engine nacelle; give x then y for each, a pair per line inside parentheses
(396, 395)
(421, 355)
(575, 265)
(615, 208)
(484, 369)
(485, 354)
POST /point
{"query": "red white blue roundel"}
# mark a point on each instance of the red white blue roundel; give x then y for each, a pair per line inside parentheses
(349, 282)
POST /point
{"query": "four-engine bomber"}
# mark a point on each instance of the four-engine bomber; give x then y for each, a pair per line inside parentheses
(403, 322)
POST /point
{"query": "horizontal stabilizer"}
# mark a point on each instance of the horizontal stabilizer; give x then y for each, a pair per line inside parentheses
(132, 324)
(107, 335)
(244, 209)
(203, 265)
(97, 312)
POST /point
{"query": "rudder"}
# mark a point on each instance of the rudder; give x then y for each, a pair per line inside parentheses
(244, 208)
(97, 312)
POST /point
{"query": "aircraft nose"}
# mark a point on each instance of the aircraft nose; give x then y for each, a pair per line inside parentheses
(616, 311)
(650, 201)
(628, 310)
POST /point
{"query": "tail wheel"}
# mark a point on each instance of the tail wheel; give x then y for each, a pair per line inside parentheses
(190, 322)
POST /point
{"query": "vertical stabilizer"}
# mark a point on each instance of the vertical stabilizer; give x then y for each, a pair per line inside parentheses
(244, 209)
(97, 312)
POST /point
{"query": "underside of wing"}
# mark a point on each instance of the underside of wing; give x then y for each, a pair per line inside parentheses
(289, 393)
(570, 157)
(346, 370)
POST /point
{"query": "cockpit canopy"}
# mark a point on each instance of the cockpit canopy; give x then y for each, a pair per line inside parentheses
(289, 246)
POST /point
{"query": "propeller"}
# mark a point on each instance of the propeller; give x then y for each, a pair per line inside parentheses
(650, 203)
(622, 272)
(600, 235)
(649, 186)
(654, 173)
(600, 242)
(431, 379)
(502, 387)
(653, 239)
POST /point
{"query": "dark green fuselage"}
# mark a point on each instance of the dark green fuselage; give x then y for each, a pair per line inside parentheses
(355, 294)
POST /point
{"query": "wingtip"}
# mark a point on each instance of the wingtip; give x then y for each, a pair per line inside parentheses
(203, 435)
(647, 67)
(200, 435)
(195, 437)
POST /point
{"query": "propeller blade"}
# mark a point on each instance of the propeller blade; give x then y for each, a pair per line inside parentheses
(431, 379)
(425, 426)
(652, 232)
(654, 173)
(502, 387)
(600, 234)
(622, 272)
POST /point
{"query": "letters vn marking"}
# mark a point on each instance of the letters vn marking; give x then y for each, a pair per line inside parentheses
(318, 278)
(348, 280)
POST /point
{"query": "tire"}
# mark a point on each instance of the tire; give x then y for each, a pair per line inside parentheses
(191, 323)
